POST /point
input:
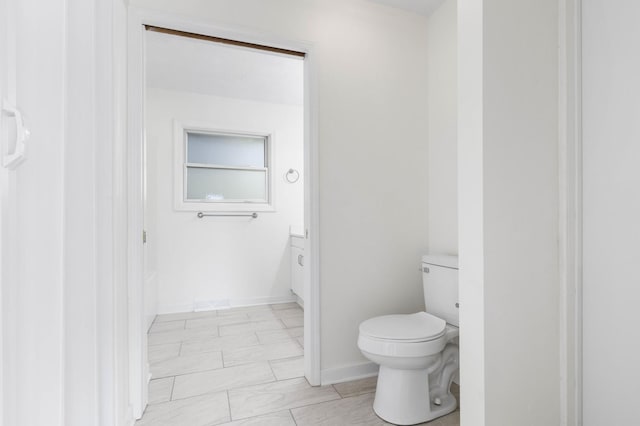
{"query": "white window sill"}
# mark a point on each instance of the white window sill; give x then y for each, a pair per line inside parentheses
(224, 207)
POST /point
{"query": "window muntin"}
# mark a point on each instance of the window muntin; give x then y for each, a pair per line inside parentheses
(226, 168)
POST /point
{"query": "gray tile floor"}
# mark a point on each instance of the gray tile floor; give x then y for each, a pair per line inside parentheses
(244, 366)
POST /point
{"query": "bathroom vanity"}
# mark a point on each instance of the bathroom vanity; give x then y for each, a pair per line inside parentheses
(297, 265)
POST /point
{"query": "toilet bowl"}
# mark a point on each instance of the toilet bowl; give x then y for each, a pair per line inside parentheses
(417, 353)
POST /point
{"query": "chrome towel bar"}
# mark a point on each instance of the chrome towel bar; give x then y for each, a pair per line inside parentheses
(253, 215)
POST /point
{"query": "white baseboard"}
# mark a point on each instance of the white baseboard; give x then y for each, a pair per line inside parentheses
(128, 419)
(348, 373)
(175, 309)
(228, 303)
(238, 303)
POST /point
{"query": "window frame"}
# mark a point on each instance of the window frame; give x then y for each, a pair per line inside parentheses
(181, 203)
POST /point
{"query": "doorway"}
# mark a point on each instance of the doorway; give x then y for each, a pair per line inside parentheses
(278, 175)
(224, 160)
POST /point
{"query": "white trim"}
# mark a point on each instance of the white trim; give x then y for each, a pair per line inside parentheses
(311, 221)
(175, 309)
(138, 384)
(120, 212)
(7, 275)
(348, 373)
(232, 303)
(107, 138)
(570, 212)
(215, 29)
(140, 17)
(128, 419)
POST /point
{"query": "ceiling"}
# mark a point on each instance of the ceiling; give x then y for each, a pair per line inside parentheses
(422, 7)
(205, 67)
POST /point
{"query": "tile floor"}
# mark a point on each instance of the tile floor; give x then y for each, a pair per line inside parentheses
(244, 366)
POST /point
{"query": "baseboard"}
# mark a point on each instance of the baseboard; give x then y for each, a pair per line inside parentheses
(229, 303)
(348, 373)
(238, 303)
(175, 309)
(128, 419)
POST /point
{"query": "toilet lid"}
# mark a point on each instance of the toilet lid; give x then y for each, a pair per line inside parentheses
(420, 326)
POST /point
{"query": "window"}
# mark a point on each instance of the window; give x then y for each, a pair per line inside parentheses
(224, 170)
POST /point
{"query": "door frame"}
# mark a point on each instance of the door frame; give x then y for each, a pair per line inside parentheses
(139, 369)
(570, 209)
(7, 274)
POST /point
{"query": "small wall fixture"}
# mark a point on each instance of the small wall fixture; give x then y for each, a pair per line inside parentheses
(292, 176)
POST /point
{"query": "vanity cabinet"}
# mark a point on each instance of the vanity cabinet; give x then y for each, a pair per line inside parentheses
(297, 265)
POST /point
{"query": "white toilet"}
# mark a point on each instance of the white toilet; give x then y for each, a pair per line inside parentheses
(417, 353)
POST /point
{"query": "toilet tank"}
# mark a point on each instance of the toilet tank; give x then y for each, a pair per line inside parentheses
(440, 283)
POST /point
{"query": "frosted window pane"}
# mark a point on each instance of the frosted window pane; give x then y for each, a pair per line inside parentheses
(223, 184)
(226, 150)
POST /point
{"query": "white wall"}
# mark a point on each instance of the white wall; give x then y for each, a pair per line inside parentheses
(240, 260)
(508, 202)
(370, 80)
(442, 89)
(611, 154)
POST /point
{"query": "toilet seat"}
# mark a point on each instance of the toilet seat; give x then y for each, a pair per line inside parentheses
(414, 335)
(412, 328)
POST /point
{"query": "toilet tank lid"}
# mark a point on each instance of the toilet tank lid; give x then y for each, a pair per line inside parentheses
(446, 260)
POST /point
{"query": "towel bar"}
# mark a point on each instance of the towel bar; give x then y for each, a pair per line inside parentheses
(253, 215)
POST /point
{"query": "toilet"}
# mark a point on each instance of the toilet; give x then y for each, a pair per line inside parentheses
(417, 353)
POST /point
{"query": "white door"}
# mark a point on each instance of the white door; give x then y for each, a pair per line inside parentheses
(32, 39)
(7, 212)
(611, 211)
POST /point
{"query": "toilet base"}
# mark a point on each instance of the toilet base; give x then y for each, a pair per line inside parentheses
(403, 397)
